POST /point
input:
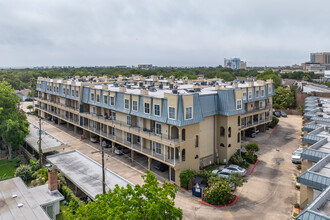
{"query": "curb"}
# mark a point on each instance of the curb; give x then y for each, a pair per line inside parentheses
(218, 206)
(181, 187)
(253, 167)
(273, 130)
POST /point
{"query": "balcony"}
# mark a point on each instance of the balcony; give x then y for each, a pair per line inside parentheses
(148, 134)
(58, 105)
(257, 109)
(61, 116)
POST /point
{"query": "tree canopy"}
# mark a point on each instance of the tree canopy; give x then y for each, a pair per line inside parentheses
(270, 74)
(148, 201)
(13, 123)
(284, 98)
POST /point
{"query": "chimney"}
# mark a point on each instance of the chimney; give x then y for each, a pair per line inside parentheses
(52, 179)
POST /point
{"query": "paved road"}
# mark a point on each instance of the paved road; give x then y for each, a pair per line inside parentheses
(269, 193)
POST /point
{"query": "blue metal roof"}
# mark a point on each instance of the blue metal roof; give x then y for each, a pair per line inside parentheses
(311, 139)
(311, 215)
(314, 180)
(313, 155)
(311, 126)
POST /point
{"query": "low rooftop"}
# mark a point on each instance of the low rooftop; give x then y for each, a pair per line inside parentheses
(14, 192)
(48, 142)
(86, 173)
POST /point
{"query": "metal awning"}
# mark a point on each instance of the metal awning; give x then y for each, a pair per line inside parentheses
(48, 142)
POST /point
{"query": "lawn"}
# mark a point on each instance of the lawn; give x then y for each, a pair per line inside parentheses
(7, 169)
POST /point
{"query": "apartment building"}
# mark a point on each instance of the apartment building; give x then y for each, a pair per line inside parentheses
(315, 179)
(183, 124)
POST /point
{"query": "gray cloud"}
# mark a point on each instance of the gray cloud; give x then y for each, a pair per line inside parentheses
(178, 33)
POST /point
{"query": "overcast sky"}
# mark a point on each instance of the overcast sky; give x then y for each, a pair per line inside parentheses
(162, 33)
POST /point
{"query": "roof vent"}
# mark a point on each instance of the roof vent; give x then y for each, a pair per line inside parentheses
(175, 91)
(152, 89)
(160, 86)
(14, 196)
(20, 205)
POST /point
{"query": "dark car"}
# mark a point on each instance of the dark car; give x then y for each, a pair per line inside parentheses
(122, 150)
(277, 114)
(160, 166)
(283, 114)
(28, 99)
(250, 133)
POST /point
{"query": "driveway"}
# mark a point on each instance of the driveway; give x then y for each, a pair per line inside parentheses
(269, 193)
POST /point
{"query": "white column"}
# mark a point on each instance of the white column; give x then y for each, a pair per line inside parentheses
(141, 139)
(152, 148)
(164, 153)
(174, 157)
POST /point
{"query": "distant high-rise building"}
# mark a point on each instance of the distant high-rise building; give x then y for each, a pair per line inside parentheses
(322, 58)
(235, 63)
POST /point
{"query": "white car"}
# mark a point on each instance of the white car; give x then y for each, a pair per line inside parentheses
(237, 169)
(296, 156)
(224, 173)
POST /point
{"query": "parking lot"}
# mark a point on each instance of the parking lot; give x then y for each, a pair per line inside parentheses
(269, 193)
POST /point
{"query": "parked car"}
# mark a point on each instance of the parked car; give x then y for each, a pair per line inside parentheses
(277, 114)
(29, 99)
(122, 150)
(220, 168)
(224, 173)
(106, 144)
(250, 133)
(95, 139)
(283, 114)
(236, 169)
(296, 156)
(160, 166)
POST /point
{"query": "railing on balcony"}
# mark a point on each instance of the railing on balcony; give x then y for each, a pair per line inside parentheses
(130, 128)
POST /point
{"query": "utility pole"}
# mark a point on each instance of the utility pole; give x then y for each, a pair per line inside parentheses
(40, 151)
(103, 167)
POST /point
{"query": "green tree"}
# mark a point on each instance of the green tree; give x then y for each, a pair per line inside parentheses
(24, 171)
(218, 192)
(13, 123)
(251, 148)
(284, 98)
(269, 74)
(148, 201)
(30, 107)
(236, 179)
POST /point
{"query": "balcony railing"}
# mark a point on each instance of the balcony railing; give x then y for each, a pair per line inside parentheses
(59, 105)
(257, 109)
(129, 128)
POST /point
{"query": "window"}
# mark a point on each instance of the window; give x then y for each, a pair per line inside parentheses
(98, 97)
(222, 131)
(250, 94)
(260, 105)
(129, 137)
(238, 121)
(138, 139)
(222, 145)
(158, 128)
(72, 92)
(197, 141)
(262, 93)
(129, 120)
(64, 91)
(244, 95)
(183, 134)
(229, 145)
(135, 106)
(260, 116)
(113, 132)
(188, 113)
(238, 137)
(112, 100)
(158, 148)
(67, 91)
(94, 110)
(147, 108)
(269, 89)
(77, 93)
(105, 99)
(113, 115)
(238, 104)
(171, 112)
(257, 93)
(94, 124)
(92, 97)
(157, 110)
(126, 104)
(229, 132)
(58, 100)
(183, 154)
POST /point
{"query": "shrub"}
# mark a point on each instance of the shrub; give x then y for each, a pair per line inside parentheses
(205, 174)
(186, 176)
(296, 205)
(250, 159)
(236, 179)
(297, 187)
(252, 148)
(70, 197)
(25, 172)
(218, 193)
(299, 167)
(34, 164)
(274, 121)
